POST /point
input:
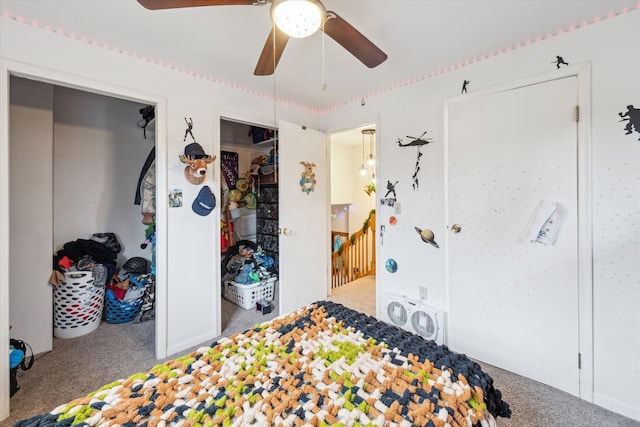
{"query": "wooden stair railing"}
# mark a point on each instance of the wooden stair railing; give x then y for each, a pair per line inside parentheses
(356, 257)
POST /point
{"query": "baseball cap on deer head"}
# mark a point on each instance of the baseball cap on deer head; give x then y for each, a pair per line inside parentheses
(205, 202)
(194, 151)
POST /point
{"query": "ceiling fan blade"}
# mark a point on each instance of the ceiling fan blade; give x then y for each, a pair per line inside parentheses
(172, 4)
(271, 53)
(353, 40)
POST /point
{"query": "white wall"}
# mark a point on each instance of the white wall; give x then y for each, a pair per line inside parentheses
(99, 152)
(609, 46)
(347, 185)
(341, 174)
(340, 218)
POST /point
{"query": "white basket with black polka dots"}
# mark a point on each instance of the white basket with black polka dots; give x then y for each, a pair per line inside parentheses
(77, 305)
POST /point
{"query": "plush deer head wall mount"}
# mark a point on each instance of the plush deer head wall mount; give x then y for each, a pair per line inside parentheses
(196, 160)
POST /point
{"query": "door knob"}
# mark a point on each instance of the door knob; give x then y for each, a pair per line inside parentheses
(456, 228)
(285, 231)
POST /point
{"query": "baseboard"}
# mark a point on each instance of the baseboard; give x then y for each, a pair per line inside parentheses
(203, 340)
(616, 406)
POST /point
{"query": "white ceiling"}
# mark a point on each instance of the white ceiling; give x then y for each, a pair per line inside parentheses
(224, 42)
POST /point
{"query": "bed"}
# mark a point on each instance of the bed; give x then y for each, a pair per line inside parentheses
(322, 365)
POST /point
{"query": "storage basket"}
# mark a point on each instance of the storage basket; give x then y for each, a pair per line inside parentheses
(77, 305)
(246, 296)
(118, 311)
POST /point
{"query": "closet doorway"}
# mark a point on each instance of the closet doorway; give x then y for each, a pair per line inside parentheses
(76, 158)
(249, 226)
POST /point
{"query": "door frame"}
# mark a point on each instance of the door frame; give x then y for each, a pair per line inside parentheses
(353, 124)
(582, 72)
(10, 68)
(218, 116)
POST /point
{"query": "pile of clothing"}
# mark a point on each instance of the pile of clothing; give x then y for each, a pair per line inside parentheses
(132, 284)
(247, 264)
(97, 254)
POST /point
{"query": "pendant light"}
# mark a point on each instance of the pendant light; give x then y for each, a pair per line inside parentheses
(363, 170)
(371, 160)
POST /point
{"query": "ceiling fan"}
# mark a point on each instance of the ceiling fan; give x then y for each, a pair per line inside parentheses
(292, 18)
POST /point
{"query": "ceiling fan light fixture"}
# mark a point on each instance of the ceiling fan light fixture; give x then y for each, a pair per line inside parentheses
(298, 18)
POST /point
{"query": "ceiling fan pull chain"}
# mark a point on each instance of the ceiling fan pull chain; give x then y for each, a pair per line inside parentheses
(324, 83)
(275, 104)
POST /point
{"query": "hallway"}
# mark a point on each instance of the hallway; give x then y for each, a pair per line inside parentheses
(359, 295)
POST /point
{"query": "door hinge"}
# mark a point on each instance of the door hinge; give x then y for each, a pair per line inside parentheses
(579, 361)
(577, 113)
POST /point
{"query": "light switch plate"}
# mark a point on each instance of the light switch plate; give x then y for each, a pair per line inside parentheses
(423, 292)
(396, 208)
(636, 362)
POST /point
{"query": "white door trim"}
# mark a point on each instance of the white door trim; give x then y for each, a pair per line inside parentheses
(585, 210)
(10, 68)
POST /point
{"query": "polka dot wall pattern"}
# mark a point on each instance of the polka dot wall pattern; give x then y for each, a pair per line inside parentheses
(616, 218)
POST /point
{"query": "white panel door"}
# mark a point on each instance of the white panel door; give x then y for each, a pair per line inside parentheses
(303, 218)
(514, 303)
(31, 238)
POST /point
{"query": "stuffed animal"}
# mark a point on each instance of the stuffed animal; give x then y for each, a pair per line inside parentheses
(257, 163)
(196, 169)
(235, 196)
(196, 160)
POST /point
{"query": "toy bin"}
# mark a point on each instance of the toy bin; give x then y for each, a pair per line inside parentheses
(118, 311)
(246, 296)
(77, 305)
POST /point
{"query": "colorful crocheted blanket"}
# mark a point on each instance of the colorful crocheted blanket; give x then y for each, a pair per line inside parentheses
(322, 365)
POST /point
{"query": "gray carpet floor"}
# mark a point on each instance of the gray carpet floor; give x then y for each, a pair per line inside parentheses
(77, 366)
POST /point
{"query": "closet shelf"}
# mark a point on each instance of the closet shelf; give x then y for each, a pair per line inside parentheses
(266, 141)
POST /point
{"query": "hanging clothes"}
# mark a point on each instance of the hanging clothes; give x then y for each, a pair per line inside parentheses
(146, 188)
(148, 207)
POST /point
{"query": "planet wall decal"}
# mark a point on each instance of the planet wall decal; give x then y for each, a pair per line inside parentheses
(391, 265)
(427, 236)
